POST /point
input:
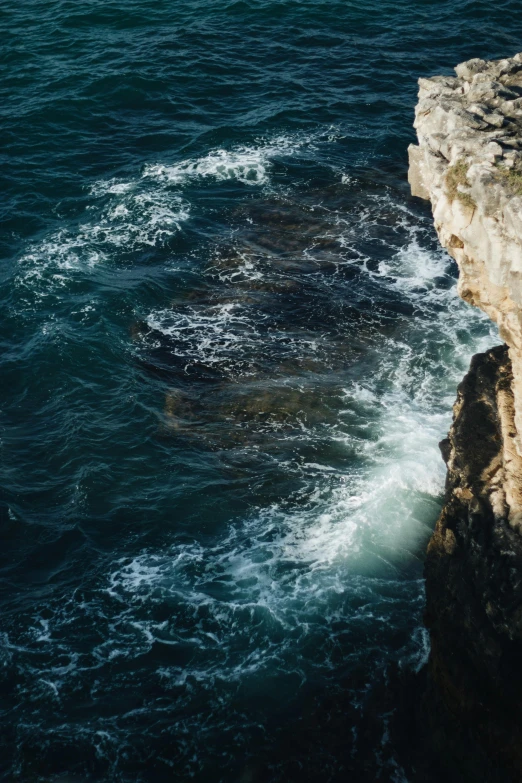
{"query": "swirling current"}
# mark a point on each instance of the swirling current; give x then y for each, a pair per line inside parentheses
(230, 346)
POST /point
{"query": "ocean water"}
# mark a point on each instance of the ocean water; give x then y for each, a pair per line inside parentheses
(230, 346)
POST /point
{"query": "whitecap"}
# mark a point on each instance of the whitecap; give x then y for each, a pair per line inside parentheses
(129, 221)
(249, 164)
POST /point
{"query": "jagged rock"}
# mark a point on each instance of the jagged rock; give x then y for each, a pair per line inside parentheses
(469, 164)
(474, 587)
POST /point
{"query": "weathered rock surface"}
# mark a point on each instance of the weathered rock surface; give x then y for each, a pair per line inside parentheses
(469, 165)
(474, 588)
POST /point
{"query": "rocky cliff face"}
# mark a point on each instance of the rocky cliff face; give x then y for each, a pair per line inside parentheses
(469, 165)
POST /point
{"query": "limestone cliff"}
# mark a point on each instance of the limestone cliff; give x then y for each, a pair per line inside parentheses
(469, 165)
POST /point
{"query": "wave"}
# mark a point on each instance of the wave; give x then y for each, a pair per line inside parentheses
(127, 220)
(248, 164)
(125, 216)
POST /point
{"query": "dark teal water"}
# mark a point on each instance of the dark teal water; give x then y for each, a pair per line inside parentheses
(230, 345)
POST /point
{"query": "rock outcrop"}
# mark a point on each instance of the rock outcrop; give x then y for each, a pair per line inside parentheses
(469, 165)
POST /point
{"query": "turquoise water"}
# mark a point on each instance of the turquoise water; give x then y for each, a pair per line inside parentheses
(230, 345)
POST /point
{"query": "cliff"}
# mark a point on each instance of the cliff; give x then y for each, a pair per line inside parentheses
(468, 163)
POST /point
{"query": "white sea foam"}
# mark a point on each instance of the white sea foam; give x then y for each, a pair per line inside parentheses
(220, 335)
(127, 215)
(125, 218)
(245, 269)
(249, 164)
(231, 337)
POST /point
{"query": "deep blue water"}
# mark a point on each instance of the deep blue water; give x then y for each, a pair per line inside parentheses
(230, 345)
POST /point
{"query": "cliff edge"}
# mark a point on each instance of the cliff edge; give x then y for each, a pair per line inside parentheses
(468, 163)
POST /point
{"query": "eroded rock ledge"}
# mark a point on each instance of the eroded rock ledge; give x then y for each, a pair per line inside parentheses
(468, 163)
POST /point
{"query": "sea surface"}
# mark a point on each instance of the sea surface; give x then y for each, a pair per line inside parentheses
(229, 347)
